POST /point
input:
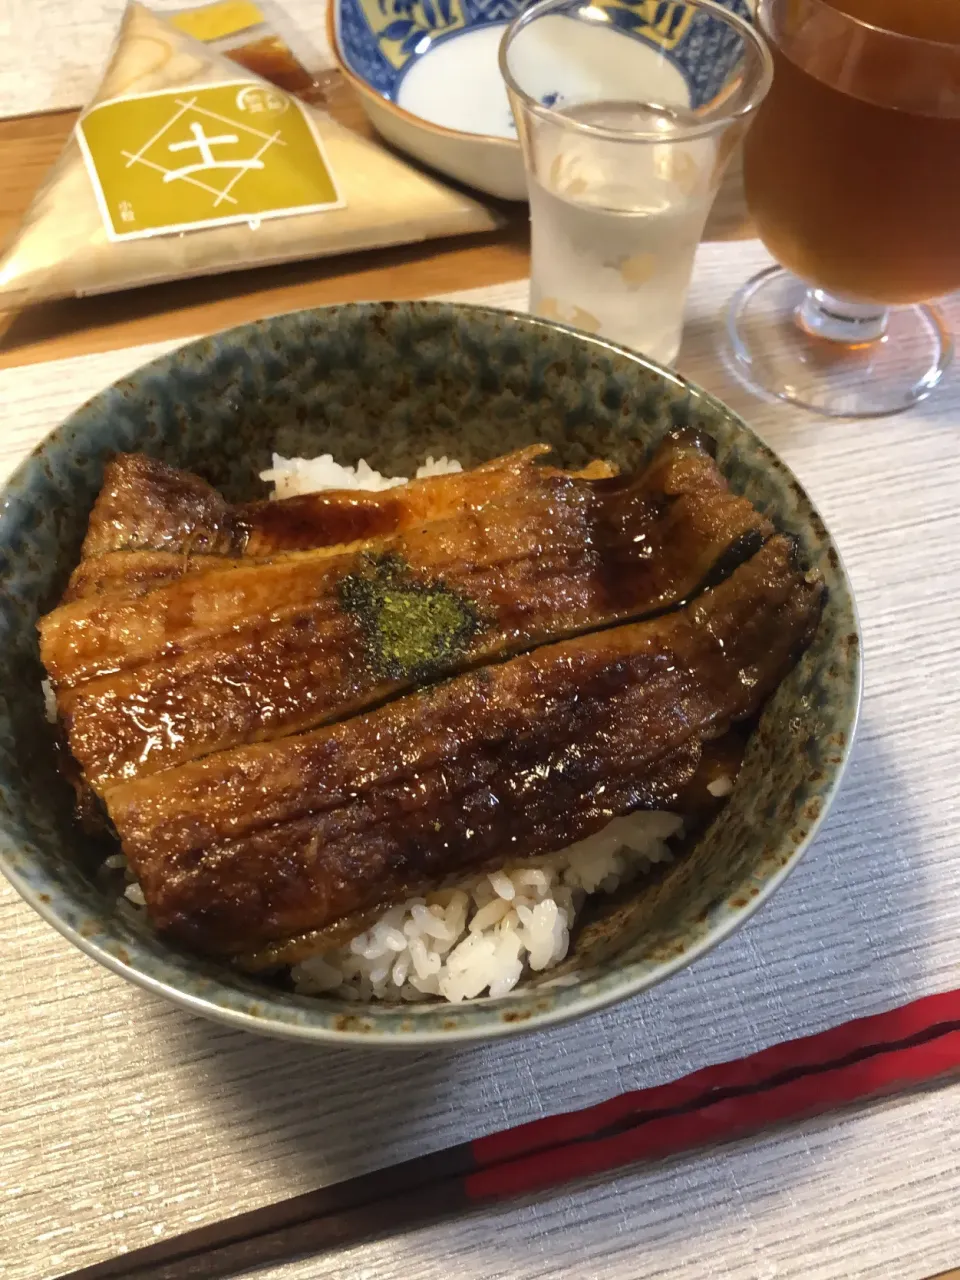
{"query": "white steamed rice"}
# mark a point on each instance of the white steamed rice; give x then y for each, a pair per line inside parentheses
(293, 476)
(482, 934)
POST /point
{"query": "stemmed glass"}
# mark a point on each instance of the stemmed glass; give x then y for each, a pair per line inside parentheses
(852, 178)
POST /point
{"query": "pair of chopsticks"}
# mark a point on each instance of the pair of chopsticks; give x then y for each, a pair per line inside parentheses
(859, 1060)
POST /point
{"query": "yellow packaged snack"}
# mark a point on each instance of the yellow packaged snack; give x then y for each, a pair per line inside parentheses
(186, 164)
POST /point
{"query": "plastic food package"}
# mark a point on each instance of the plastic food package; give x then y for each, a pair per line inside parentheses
(186, 164)
(259, 37)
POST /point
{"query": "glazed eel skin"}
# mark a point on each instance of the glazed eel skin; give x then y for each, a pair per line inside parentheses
(267, 842)
(287, 741)
(253, 650)
(146, 505)
(196, 543)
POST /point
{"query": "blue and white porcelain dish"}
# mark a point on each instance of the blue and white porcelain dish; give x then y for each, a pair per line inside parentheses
(427, 73)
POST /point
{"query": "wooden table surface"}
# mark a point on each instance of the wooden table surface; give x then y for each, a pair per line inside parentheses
(29, 145)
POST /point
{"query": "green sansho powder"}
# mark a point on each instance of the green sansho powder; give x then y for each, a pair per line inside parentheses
(414, 629)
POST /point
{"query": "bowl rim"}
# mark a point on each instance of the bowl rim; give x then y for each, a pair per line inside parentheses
(367, 90)
(708, 124)
(566, 1005)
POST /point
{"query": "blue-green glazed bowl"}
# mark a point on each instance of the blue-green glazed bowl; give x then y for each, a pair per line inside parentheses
(391, 383)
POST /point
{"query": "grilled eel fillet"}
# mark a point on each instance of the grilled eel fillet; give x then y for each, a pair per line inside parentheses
(146, 505)
(257, 845)
(181, 526)
(720, 761)
(254, 651)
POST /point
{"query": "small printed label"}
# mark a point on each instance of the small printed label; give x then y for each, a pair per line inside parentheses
(182, 159)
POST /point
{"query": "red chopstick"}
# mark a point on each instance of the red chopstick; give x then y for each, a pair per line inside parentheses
(723, 1120)
(862, 1059)
(897, 1026)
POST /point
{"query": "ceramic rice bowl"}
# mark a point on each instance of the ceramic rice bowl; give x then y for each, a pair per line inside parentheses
(392, 383)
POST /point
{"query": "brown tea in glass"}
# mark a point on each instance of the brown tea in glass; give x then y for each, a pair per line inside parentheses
(852, 177)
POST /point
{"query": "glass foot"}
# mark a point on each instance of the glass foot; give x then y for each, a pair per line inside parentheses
(838, 358)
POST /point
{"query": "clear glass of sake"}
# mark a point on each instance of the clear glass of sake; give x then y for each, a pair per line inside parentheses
(627, 116)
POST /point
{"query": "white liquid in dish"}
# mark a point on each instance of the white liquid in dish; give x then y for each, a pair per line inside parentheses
(457, 82)
(458, 85)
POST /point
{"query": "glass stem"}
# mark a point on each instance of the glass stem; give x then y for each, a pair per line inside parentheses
(839, 320)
